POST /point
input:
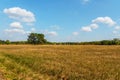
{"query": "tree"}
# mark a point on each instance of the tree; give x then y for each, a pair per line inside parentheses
(116, 41)
(7, 42)
(36, 38)
(2, 41)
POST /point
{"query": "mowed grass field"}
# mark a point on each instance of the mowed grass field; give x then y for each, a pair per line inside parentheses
(59, 62)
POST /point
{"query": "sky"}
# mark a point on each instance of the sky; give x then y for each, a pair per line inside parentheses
(60, 20)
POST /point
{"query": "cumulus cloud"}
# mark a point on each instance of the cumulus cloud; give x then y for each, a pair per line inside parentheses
(20, 14)
(93, 26)
(16, 25)
(86, 29)
(89, 28)
(104, 20)
(21, 17)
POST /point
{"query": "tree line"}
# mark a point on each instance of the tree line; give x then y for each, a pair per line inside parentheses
(102, 42)
(39, 38)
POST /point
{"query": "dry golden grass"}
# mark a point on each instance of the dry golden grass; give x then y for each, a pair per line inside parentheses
(60, 62)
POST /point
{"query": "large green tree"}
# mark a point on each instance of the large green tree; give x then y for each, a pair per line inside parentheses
(36, 38)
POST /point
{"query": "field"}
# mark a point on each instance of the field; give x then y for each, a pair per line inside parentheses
(59, 62)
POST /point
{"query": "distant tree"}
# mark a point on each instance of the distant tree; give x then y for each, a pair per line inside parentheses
(36, 38)
(7, 42)
(116, 41)
(2, 41)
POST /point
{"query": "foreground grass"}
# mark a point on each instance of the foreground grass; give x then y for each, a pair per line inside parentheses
(60, 62)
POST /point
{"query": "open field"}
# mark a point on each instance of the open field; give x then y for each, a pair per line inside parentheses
(60, 62)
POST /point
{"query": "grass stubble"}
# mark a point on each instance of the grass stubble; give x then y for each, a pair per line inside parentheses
(60, 62)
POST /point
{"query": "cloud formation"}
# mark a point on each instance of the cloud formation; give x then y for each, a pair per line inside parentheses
(93, 26)
(104, 20)
(16, 25)
(20, 14)
(86, 29)
(89, 28)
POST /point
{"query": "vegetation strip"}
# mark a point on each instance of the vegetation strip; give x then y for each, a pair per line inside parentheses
(39, 38)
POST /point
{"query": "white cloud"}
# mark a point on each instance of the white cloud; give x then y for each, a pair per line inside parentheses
(15, 31)
(104, 20)
(117, 27)
(89, 28)
(75, 33)
(86, 29)
(94, 26)
(16, 25)
(20, 14)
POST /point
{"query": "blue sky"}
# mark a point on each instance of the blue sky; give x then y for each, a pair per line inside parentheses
(60, 20)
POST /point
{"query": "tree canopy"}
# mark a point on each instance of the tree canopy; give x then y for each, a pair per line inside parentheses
(36, 38)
